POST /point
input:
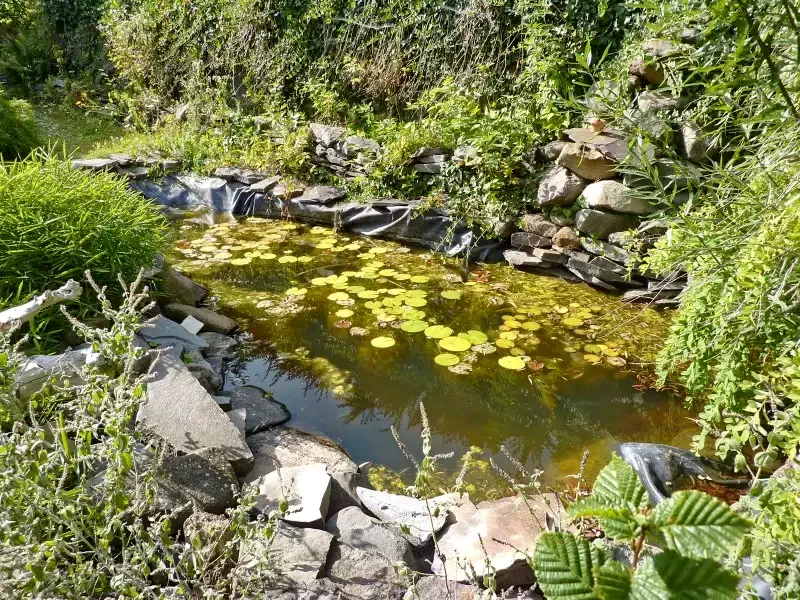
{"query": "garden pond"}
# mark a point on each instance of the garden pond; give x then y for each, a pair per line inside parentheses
(353, 333)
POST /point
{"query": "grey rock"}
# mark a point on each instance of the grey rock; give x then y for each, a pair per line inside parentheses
(552, 255)
(520, 259)
(566, 238)
(170, 164)
(192, 325)
(363, 575)
(335, 158)
(507, 531)
(205, 477)
(433, 158)
(143, 362)
(94, 164)
(239, 418)
(503, 229)
(209, 378)
(403, 511)
(526, 241)
(549, 152)
(593, 270)
(648, 295)
(343, 490)
(622, 239)
(211, 320)
(164, 332)
(327, 135)
(431, 587)
(210, 534)
(429, 168)
(285, 192)
(654, 227)
(692, 36)
(178, 410)
(265, 185)
(601, 248)
(660, 48)
(293, 559)
(648, 72)
(289, 447)
(592, 280)
(261, 409)
(539, 224)
(429, 151)
(601, 262)
(179, 288)
(586, 162)
(307, 490)
(181, 112)
(612, 143)
(354, 145)
(695, 145)
(224, 402)
(559, 187)
(38, 371)
(218, 345)
(661, 102)
(322, 194)
(604, 97)
(122, 160)
(602, 224)
(672, 285)
(650, 123)
(134, 173)
(615, 196)
(353, 527)
(465, 154)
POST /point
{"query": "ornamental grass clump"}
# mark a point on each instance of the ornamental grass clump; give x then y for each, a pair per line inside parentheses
(18, 135)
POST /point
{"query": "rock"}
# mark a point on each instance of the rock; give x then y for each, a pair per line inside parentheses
(403, 511)
(205, 477)
(605, 97)
(595, 270)
(654, 228)
(429, 168)
(93, 164)
(261, 409)
(610, 142)
(354, 145)
(526, 241)
(297, 556)
(363, 575)
(239, 419)
(179, 288)
(219, 345)
(503, 229)
(601, 224)
(613, 195)
(343, 489)
(164, 332)
(432, 587)
(692, 36)
(672, 285)
(209, 378)
(650, 123)
(520, 259)
(647, 72)
(650, 102)
(307, 489)
(429, 151)
(648, 295)
(622, 239)
(607, 264)
(566, 238)
(192, 325)
(552, 255)
(178, 410)
(181, 112)
(660, 48)
(211, 321)
(592, 280)
(465, 154)
(549, 152)
(142, 364)
(353, 527)
(586, 162)
(38, 371)
(122, 159)
(322, 194)
(265, 185)
(289, 447)
(539, 224)
(600, 248)
(223, 402)
(134, 173)
(433, 158)
(326, 135)
(559, 187)
(695, 145)
(506, 530)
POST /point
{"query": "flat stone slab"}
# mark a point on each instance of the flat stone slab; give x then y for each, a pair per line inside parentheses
(601, 248)
(261, 409)
(265, 185)
(602, 224)
(527, 241)
(353, 527)
(94, 164)
(290, 447)
(165, 332)
(507, 531)
(586, 161)
(429, 168)
(649, 295)
(322, 194)
(211, 320)
(593, 270)
(307, 489)
(363, 575)
(180, 411)
(403, 511)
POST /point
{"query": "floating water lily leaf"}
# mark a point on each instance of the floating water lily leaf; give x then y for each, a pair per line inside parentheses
(355, 289)
(592, 349)
(382, 342)
(513, 324)
(305, 259)
(455, 344)
(208, 249)
(570, 349)
(501, 343)
(420, 279)
(319, 281)
(516, 352)
(617, 361)
(344, 313)
(378, 250)
(416, 302)
(531, 326)
(387, 272)
(222, 255)
(268, 256)
(295, 291)
(368, 295)
(336, 296)
(402, 277)
(446, 360)
(573, 322)
(287, 259)
(509, 335)
(451, 294)
(241, 261)
(414, 326)
(475, 336)
(386, 317)
(514, 363)
(591, 358)
(396, 292)
(413, 315)
(562, 310)
(438, 331)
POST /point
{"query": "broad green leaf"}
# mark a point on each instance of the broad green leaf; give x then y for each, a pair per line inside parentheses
(612, 581)
(618, 483)
(696, 524)
(563, 566)
(670, 576)
(618, 522)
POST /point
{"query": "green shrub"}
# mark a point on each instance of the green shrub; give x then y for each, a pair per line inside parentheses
(56, 222)
(18, 135)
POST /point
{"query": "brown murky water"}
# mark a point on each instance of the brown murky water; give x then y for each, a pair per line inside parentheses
(352, 333)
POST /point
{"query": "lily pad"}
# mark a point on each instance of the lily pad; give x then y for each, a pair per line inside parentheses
(414, 326)
(241, 261)
(514, 363)
(344, 313)
(502, 343)
(337, 296)
(416, 302)
(358, 331)
(455, 344)
(475, 336)
(420, 279)
(616, 361)
(319, 281)
(287, 259)
(446, 360)
(484, 348)
(295, 291)
(591, 358)
(438, 332)
(368, 295)
(531, 326)
(451, 294)
(382, 342)
(572, 322)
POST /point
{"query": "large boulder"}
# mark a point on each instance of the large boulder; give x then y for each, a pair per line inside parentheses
(209, 376)
(410, 514)
(566, 238)
(559, 187)
(177, 287)
(343, 490)
(353, 527)
(180, 411)
(648, 72)
(261, 409)
(615, 196)
(500, 530)
(162, 331)
(539, 224)
(526, 241)
(601, 224)
(655, 102)
(289, 447)
(695, 144)
(601, 248)
(306, 489)
(327, 135)
(363, 575)
(586, 161)
(211, 320)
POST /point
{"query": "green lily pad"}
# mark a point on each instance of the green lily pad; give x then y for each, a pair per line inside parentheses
(572, 322)
(446, 360)
(416, 302)
(344, 313)
(455, 344)
(476, 337)
(419, 279)
(591, 358)
(336, 296)
(514, 363)
(438, 332)
(382, 342)
(368, 294)
(295, 291)
(502, 343)
(287, 259)
(451, 294)
(414, 326)
(531, 326)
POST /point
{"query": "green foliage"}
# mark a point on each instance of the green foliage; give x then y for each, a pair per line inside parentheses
(56, 222)
(695, 530)
(18, 135)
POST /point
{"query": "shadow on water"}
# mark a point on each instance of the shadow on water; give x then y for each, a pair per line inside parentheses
(583, 350)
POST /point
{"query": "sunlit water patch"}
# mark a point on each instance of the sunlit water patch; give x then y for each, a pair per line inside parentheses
(352, 333)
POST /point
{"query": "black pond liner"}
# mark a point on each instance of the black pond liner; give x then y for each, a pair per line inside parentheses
(390, 219)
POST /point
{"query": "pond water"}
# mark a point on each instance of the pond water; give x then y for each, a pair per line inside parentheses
(353, 333)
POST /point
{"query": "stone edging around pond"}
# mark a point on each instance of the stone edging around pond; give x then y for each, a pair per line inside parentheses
(543, 247)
